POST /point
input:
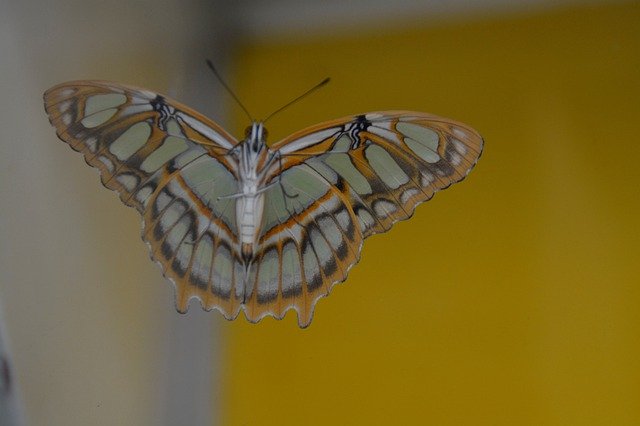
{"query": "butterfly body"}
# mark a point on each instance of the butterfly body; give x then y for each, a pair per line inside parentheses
(241, 225)
(252, 161)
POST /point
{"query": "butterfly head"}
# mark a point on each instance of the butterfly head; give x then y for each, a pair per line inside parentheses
(256, 136)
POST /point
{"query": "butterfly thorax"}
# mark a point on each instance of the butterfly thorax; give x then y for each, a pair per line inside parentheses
(253, 160)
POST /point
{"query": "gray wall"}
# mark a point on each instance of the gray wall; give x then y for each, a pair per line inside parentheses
(88, 319)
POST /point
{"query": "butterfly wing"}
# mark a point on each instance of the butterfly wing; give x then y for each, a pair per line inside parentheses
(169, 163)
(340, 182)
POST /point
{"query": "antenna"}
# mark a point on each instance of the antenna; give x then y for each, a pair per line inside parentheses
(313, 89)
(215, 72)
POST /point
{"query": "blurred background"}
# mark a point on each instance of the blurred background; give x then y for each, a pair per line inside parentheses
(511, 298)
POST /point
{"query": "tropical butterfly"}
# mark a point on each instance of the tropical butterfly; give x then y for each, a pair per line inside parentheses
(242, 225)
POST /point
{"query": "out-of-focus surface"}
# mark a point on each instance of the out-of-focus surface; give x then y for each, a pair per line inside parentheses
(11, 410)
(510, 298)
(256, 19)
(91, 324)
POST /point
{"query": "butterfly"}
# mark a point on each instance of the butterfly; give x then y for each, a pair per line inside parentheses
(242, 225)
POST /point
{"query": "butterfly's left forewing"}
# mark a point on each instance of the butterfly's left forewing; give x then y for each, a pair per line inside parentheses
(168, 162)
(340, 182)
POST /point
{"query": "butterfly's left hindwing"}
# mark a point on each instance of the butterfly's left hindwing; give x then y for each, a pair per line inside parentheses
(340, 182)
(168, 162)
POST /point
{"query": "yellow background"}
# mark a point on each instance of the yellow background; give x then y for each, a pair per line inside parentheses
(511, 298)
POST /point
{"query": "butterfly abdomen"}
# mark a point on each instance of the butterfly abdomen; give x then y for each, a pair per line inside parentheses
(249, 208)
